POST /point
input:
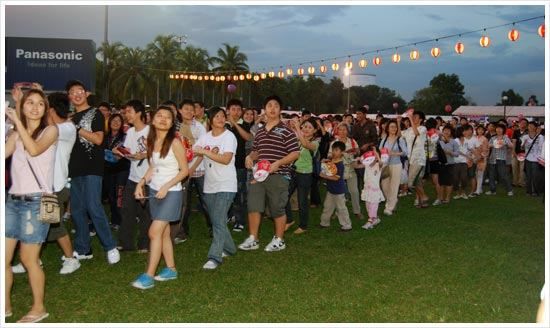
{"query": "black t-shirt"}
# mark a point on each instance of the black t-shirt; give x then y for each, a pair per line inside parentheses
(86, 157)
(517, 135)
(241, 143)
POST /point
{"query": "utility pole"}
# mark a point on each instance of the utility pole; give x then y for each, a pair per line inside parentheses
(105, 57)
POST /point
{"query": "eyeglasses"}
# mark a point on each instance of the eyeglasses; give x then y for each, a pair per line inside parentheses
(77, 92)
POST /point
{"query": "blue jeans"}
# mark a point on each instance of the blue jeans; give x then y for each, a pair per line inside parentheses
(197, 184)
(239, 208)
(302, 182)
(217, 206)
(500, 169)
(86, 200)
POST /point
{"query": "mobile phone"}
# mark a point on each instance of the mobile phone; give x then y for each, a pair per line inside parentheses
(124, 151)
(23, 85)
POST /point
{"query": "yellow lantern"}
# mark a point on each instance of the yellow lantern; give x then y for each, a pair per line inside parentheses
(335, 67)
(301, 71)
(435, 52)
(256, 78)
(459, 47)
(414, 55)
(212, 77)
(217, 79)
(206, 77)
(235, 77)
(241, 77)
(323, 68)
(263, 76)
(185, 76)
(171, 76)
(363, 63)
(311, 70)
(395, 58)
(542, 30)
(484, 41)
(377, 61)
(222, 78)
(289, 71)
(513, 35)
(248, 76)
(349, 64)
(281, 74)
(271, 74)
(199, 77)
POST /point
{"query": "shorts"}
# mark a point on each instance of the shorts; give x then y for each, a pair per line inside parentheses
(471, 172)
(446, 175)
(273, 192)
(168, 208)
(416, 173)
(435, 167)
(58, 230)
(22, 220)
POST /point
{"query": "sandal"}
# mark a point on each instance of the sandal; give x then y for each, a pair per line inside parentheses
(32, 318)
(8, 314)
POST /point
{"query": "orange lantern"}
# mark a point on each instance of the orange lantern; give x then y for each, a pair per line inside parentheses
(323, 68)
(256, 78)
(217, 79)
(222, 78)
(542, 30)
(281, 74)
(248, 76)
(484, 41)
(289, 71)
(206, 77)
(235, 77)
(199, 77)
(349, 64)
(185, 76)
(363, 63)
(300, 71)
(241, 77)
(435, 52)
(396, 58)
(377, 60)
(414, 55)
(335, 66)
(513, 35)
(263, 76)
(212, 77)
(459, 47)
(311, 70)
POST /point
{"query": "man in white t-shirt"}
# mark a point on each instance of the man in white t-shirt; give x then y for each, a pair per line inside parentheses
(415, 136)
(533, 143)
(135, 150)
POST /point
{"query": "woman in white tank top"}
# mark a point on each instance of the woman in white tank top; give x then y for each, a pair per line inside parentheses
(33, 148)
(167, 168)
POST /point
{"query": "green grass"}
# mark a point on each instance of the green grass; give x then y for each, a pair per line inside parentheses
(478, 260)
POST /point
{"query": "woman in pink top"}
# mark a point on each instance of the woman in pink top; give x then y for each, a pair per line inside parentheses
(32, 147)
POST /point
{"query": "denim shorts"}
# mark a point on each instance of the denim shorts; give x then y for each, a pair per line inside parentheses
(22, 221)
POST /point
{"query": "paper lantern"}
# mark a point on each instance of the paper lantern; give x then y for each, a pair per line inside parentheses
(171, 76)
(263, 76)
(448, 108)
(414, 55)
(323, 68)
(217, 79)
(281, 74)
(363, 63)
(513, 35)
(206, 77)
(256, 78)
(241, 77)
(542, 30)
(248, 76)
(185, 76)
(349, 64)
(235, 77)
(484, 41)
(459, 47)
(289, 71)
(301, 71)
(271, 74)
(231, 88)
(199, 77)
(222, 78)
(435, 52)
(212, 77)
(395, 58)
(335, 66)
(311, 70)
(377, 61)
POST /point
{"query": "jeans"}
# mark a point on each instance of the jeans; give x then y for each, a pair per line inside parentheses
(315, 194)
(217, 206)
(534, 176)
(500, 169)
(302, 182)
(86, 200)
(132, 209)
(239, 208)
(181, 229)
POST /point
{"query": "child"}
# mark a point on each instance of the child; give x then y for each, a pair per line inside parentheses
(336, 190)
(372, 194)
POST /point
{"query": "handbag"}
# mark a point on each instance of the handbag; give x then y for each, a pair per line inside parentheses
(385, 172)
(49, 204)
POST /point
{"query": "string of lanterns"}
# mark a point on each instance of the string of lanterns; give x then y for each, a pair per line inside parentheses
(414, 55)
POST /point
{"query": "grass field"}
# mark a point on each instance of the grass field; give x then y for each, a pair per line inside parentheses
(477, 260)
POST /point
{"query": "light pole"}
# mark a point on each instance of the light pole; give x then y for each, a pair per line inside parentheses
(347, 72)
(504, 99)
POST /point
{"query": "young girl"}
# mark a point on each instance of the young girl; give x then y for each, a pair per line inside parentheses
(372, 194)
(304, 169)
(167, 167)
(217, 149)
(483, 153)
(33, 147)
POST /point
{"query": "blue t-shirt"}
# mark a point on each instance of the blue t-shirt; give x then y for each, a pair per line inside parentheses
(337, 187)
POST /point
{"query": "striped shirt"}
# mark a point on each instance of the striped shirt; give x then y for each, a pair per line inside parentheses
(500, 148)
(275, 144)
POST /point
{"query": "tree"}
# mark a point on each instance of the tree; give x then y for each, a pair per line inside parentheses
(335, 94)
(110, 54)
(134, 77)
(444, 89)
(230, 59)
(161, 54)
(514, 99)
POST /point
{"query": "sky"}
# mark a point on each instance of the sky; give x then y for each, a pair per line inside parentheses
(282, 35)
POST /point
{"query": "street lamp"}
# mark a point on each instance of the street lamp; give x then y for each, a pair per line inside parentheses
(347, 72)
(504, 99)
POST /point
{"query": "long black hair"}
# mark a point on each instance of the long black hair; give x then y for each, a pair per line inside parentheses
(170, 136)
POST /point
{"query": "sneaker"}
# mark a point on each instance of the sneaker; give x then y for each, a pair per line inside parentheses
(143, 251)
(510, 193)
(489, 193)
(368, 225)
(210, 265)
(93, 233)
(115, 227)
(231, 219)
(276, 244)
(464, 196)
(19, 268)
(472, 195)
(113, 256)
(166, 274)
(224, 254)
(144, 281)
(388, 212)
(436, 202)
(250, 244)
(87, 256)
(376, 221)
(457, 196)
(416, 202)
(69, 266)
(179, 240)
(238, 227)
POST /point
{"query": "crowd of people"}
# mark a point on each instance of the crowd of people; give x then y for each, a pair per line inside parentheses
(241, 164)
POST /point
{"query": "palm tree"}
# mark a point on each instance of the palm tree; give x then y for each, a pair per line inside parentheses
(192, 59)
(230, 59)
(111, 54)
(161, 55)
(133, 76)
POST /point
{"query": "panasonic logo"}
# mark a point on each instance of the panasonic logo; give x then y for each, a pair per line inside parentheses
(21, 53)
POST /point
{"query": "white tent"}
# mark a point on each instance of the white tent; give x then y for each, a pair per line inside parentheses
(511, 111)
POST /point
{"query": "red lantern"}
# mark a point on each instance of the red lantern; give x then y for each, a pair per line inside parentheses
(436, 52)
(542, 30)
(459, 47)
(513, 35)
(484, 41)
(377, 60)
(448, 108)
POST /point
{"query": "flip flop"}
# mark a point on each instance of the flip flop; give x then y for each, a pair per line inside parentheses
(30, 318)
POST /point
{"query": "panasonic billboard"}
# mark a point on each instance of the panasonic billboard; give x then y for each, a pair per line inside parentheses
(50, 62)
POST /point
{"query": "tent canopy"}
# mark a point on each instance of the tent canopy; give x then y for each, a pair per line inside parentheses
(511, 111)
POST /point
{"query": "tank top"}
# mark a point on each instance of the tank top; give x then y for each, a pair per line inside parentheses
(23, 181)
(164, 170)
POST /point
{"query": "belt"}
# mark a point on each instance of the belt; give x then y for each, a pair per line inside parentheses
(26, 198)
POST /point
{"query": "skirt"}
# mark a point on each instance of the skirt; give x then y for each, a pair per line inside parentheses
(166, 209)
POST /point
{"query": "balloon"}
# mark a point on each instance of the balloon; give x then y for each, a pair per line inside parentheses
(231, 88)
(395, 105)
(448, 108)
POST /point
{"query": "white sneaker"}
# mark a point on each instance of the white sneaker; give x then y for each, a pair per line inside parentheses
(464, 196)
(436, 202)
(276, 244)
(210, 265)
(416, 202)
(224, 254)
(457, 196)
(490, 193)
(510, 193)
(367, 226)
(250, 244)
(113, 256)
(87, 256)
(69, 266)
(19, 268)
(388, 212)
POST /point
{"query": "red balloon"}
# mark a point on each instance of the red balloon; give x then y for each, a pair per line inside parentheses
(448, 108)
(231, 88)
(395, 105)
